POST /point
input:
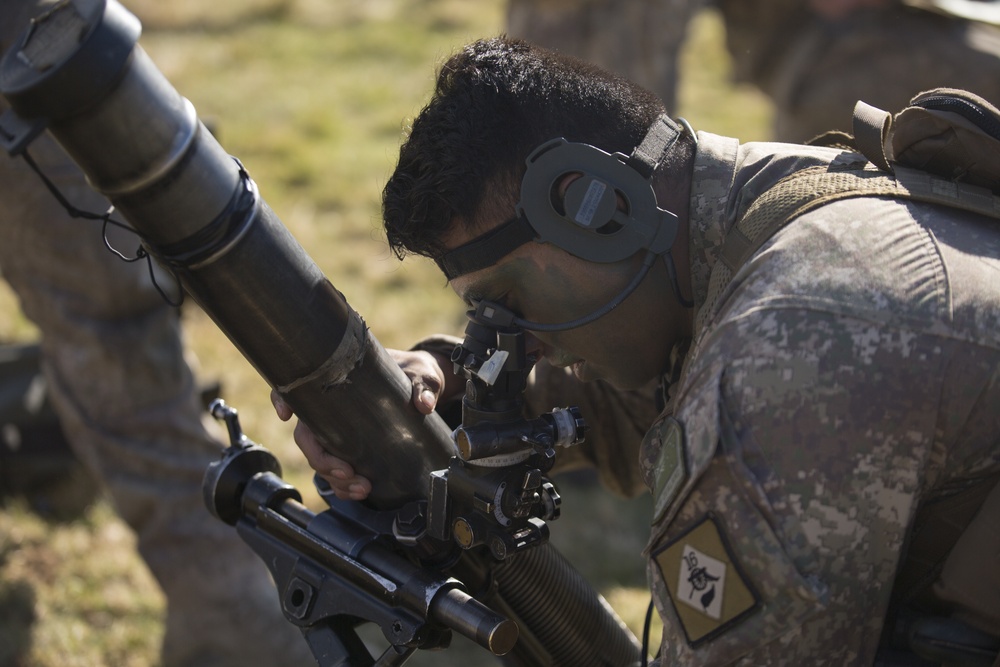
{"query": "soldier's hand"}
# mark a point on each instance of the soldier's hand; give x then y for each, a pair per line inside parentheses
(339, 474)
(430, 385)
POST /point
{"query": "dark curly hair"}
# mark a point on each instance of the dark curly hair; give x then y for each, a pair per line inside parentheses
(495, 101)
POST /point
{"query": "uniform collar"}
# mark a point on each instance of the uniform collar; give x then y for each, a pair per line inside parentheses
(711, 187)
(708, 223)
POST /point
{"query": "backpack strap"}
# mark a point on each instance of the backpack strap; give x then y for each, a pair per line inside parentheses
(871, 129)
(812, 187)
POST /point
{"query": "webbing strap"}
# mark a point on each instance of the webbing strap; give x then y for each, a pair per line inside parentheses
(813, 187)
(650, 153)
(810, 188)
(871, 126)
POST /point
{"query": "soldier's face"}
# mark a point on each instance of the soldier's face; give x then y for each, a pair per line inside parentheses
(542, 283)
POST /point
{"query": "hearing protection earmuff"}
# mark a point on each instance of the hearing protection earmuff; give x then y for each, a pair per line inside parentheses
(607, 214)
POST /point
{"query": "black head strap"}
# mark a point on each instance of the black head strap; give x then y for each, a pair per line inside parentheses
(489, 248)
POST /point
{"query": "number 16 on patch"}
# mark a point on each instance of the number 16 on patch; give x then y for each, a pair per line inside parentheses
(701, 582)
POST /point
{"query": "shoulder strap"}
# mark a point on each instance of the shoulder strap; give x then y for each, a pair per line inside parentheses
(813, 187)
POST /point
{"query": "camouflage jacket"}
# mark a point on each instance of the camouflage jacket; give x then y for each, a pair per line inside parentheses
(849, 371)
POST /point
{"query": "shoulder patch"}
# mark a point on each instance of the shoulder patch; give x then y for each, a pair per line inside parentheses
(708, 589)
(670, 470)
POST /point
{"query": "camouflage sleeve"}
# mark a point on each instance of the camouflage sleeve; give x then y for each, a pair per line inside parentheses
(785, 485)
(616, 420)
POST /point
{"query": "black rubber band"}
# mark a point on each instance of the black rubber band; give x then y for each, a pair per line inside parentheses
(486, 250)
(215, 235)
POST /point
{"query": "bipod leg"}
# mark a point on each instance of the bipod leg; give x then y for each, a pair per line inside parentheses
(336, 644)
(395, 656)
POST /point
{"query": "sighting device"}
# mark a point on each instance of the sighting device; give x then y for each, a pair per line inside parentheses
(497, 482)
(353, 564)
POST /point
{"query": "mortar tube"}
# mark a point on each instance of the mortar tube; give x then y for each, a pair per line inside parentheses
(141, 145)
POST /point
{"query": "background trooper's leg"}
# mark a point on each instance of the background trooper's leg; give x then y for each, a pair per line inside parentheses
(884, 58)
(639, 39)
(127, 402)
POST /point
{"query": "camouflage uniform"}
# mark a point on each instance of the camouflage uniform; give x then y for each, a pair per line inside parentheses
(640, 39)
(115, 369)
(849, 372)
(815, 69)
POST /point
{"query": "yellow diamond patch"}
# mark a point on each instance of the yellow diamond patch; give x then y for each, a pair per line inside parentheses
(708, 589)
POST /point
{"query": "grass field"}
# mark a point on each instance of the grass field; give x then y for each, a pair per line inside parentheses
(313, 97)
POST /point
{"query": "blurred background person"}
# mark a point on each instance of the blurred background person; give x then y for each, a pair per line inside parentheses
(816, 58)
(640, 39)
(113, 361)
(813, 58)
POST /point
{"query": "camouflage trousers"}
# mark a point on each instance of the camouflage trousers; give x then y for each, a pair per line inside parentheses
(639, 39)
(114, 363)
(883, 57)
(812, 69)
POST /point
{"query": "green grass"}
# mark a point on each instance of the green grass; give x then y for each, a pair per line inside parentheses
(75, 595)
(313, 97)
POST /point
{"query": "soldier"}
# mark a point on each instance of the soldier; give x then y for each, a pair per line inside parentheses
(114, 363)
(846, 374)
(813, 59)
(641, 39)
